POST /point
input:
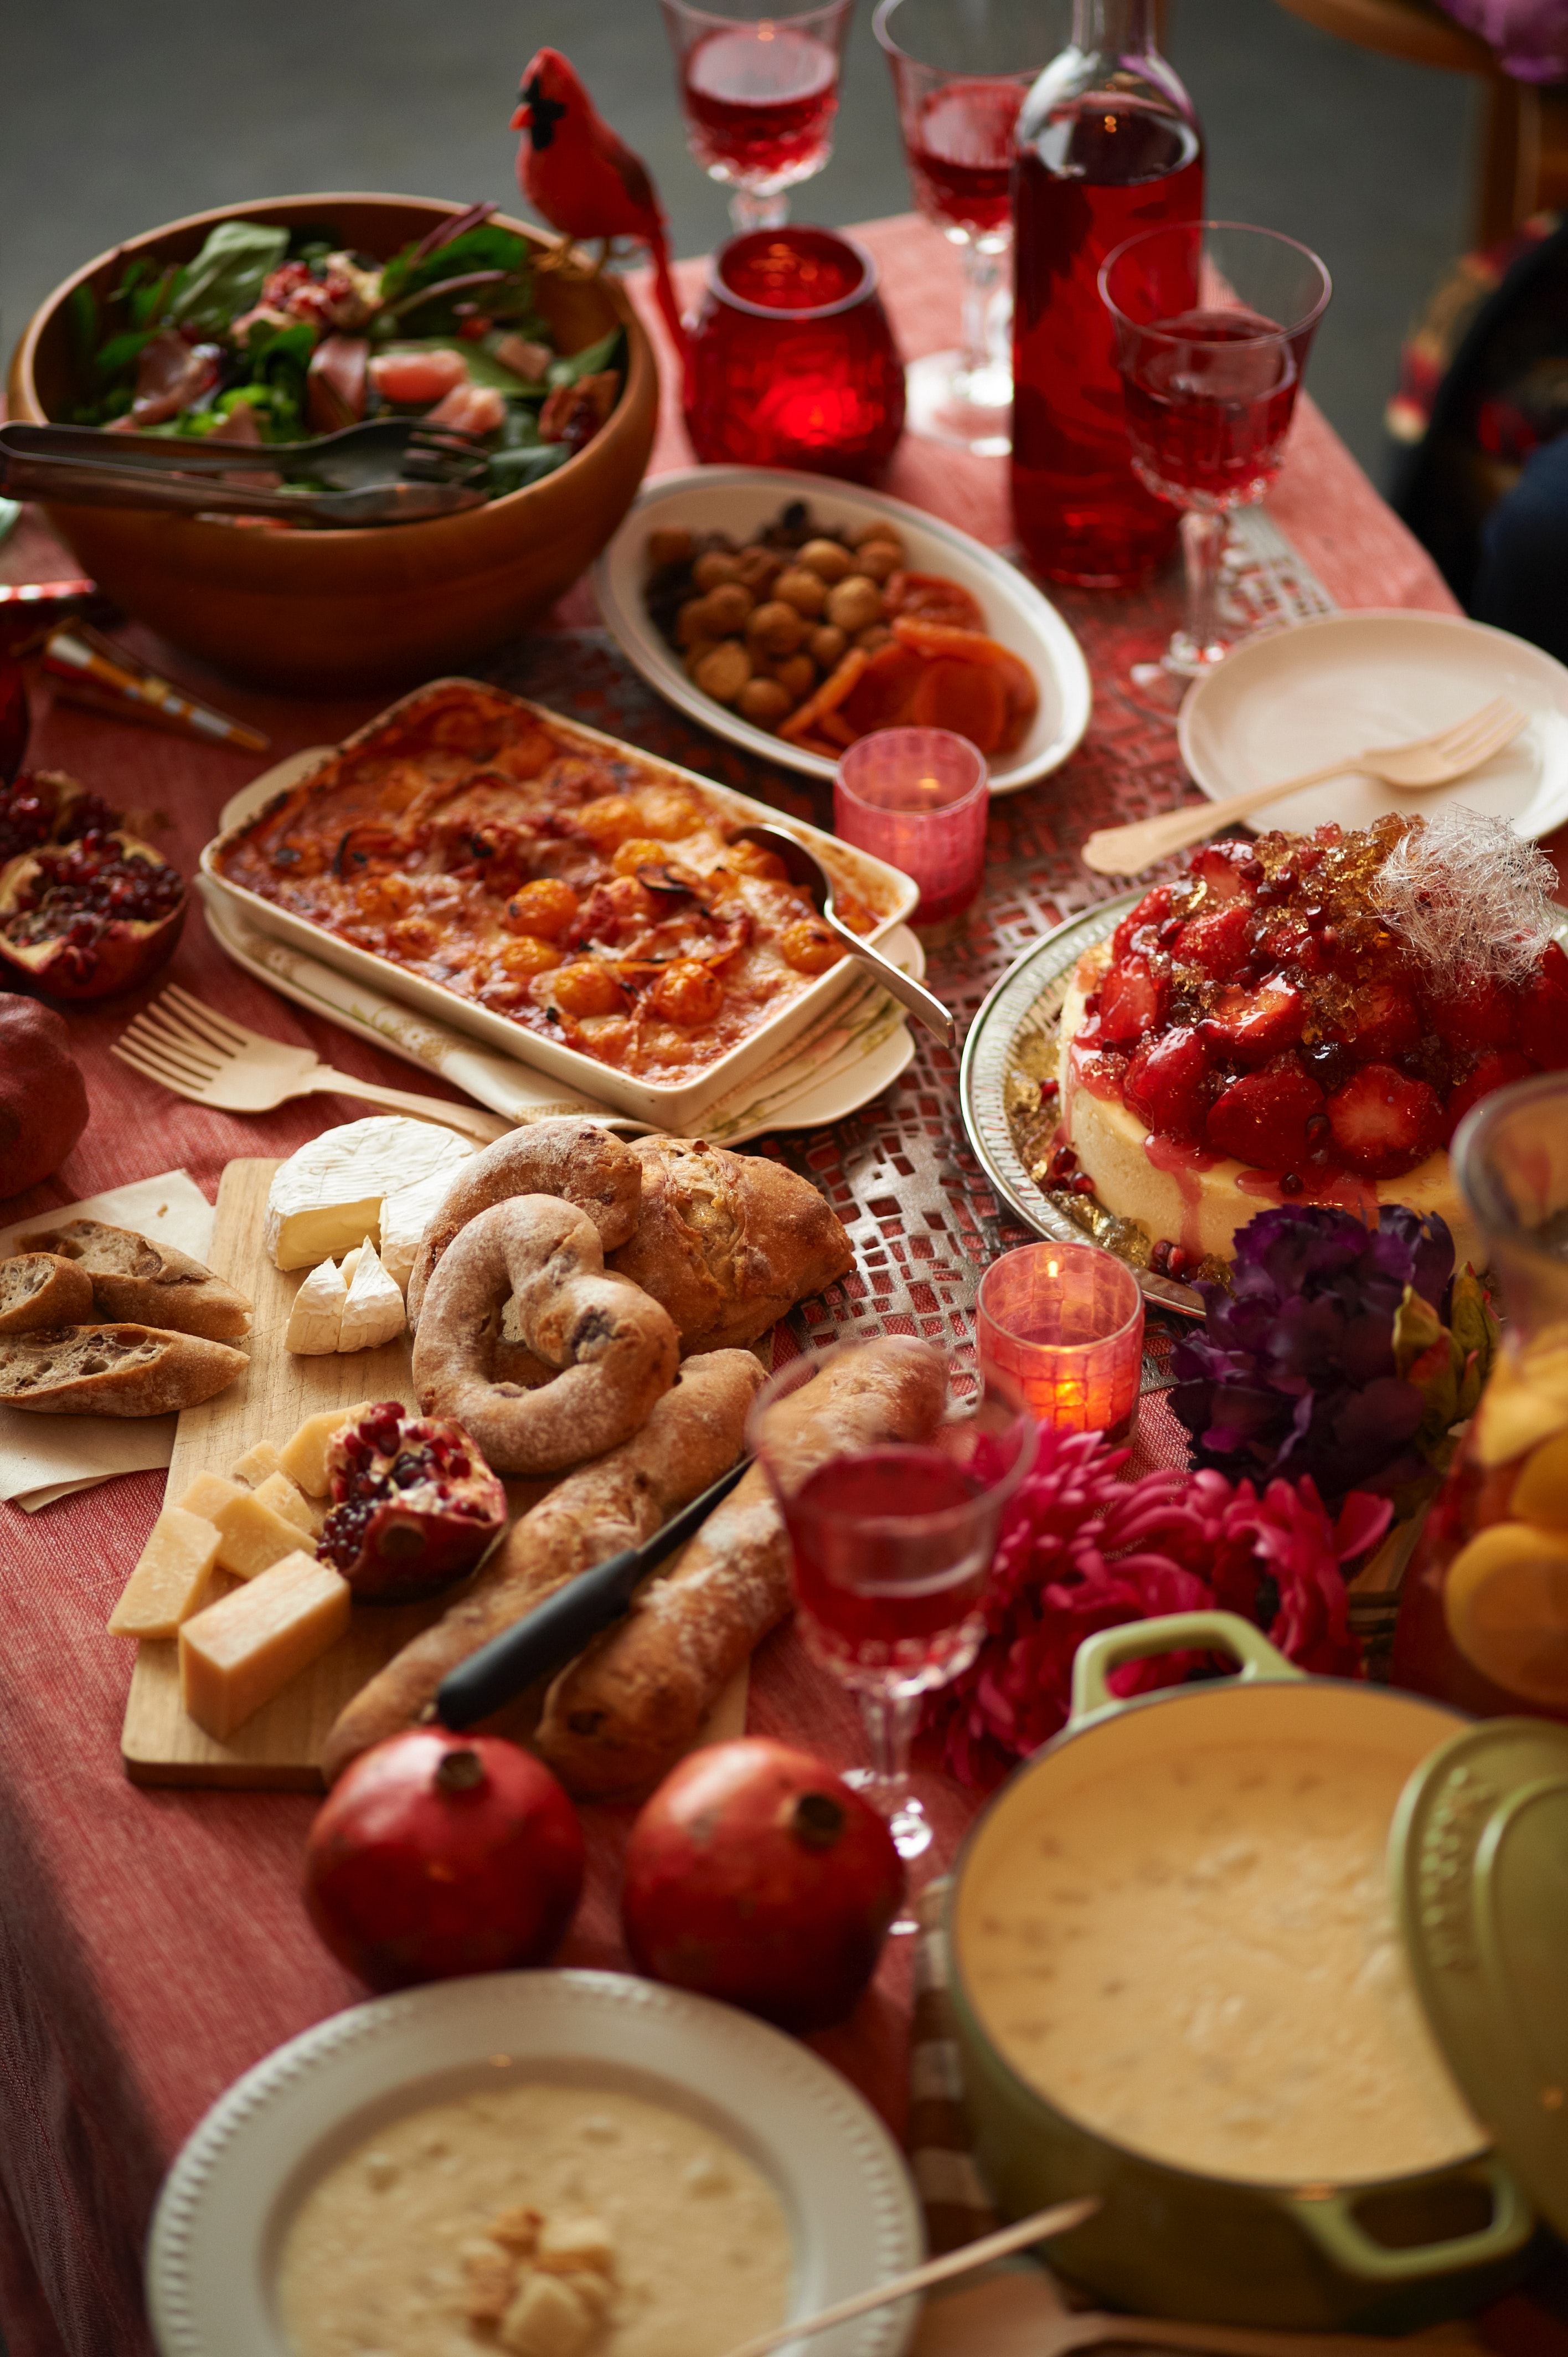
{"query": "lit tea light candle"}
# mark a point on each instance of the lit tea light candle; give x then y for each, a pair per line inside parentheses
(919, 798)
(1064, 1323)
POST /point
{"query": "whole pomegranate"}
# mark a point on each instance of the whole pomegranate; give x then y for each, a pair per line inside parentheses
(43, 1097)
(435, 1855)
(755, 1875)
(90, 917)
(414, 1505)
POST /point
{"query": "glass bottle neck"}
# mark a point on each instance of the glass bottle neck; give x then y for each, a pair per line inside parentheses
(1115, 28)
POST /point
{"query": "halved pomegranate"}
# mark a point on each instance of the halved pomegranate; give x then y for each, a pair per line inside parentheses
(90, 917)
(46, 806)
(414, 1505)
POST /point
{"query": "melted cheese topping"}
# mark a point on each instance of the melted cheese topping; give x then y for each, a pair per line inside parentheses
(1199, 1959)
(665, 944)
(383, 2256)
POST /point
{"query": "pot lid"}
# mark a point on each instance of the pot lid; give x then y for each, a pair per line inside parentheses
(1479, 1858)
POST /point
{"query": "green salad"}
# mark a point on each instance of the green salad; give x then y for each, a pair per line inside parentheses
(274, 335)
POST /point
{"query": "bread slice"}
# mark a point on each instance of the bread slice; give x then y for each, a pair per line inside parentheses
(153, 1284)
(113, 1369)
(42, 1289)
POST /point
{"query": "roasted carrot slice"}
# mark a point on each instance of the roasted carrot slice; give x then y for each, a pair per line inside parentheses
(932, 598)
(828, 696)
(967, 698)
(938, 638)
(837, 730)
(883, 697)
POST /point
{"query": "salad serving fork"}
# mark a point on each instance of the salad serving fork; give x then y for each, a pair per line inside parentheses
(189, 1049)
(387, 470)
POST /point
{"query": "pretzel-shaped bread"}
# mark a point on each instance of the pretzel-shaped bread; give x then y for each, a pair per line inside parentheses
(615, 1348)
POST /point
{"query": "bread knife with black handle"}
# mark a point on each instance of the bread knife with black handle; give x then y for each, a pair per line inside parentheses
(558, 1629)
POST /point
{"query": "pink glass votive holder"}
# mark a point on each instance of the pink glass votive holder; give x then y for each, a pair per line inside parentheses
(1065, 1324)
(920, 799)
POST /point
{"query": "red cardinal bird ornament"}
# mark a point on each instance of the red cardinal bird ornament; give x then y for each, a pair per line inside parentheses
(584, 180)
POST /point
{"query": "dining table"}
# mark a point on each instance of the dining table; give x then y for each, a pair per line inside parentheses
(152, 1941)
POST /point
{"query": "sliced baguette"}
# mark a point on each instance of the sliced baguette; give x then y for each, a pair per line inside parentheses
(153, 1284)
(113, 1369)
(42, 1289)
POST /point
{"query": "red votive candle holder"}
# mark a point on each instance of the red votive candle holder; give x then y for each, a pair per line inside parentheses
(793, 362)
(920, 799)
(1063, 1324)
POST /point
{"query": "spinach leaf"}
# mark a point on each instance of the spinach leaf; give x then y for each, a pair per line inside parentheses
(513, 471)
(226, 277)
(118, 355)
(484, 248)
(279, 359)
(609, 352)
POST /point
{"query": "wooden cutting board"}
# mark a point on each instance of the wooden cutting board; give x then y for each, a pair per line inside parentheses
(281, 1747)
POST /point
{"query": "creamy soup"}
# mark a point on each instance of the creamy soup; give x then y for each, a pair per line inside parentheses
(1198, 1958)
(542, 2221)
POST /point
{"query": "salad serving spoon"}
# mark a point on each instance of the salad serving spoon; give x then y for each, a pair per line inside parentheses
(805, 869)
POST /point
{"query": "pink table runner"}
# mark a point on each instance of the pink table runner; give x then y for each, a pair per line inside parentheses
(152, 1944)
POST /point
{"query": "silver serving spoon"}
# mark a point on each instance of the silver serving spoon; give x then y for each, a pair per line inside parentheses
(805, 869)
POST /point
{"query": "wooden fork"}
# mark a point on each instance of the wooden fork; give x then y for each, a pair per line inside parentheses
(184, 1046)
(1427, 762)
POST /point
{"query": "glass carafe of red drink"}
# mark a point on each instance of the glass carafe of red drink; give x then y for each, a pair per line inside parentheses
(1483, 1614)
(1107, 143)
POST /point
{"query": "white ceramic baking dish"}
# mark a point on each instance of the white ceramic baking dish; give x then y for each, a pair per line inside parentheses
(887, 891)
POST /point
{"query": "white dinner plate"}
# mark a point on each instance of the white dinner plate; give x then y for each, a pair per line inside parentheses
(1348, 683)
(740, 500)
(228, 2201)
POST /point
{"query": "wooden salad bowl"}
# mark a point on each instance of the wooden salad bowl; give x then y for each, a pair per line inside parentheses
(326, 610)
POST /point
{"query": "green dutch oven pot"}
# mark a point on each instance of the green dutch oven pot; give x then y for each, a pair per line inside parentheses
(1169, 2240)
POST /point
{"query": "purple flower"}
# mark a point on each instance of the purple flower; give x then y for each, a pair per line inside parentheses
(1320, 1363)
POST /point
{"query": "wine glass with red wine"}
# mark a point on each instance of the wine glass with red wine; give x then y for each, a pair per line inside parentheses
(1213, 323)
(891, 1546)
(962, 71)
(760, 95)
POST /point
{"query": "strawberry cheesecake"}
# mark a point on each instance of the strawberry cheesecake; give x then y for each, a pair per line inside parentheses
(1306, 1019)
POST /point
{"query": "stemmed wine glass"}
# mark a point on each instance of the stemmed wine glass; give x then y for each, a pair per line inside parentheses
(759, 93)
(962, 71)
(891, 1547)
(1213, 321)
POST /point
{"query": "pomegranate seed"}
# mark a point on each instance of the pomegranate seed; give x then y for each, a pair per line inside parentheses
(1290, 1183)
(1049, 1089)
(1083, 1185)
(1064, 1162)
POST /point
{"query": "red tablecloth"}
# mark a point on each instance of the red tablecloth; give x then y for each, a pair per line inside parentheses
(152, 1944)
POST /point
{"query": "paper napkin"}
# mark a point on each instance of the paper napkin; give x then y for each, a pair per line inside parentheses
(46, 1457)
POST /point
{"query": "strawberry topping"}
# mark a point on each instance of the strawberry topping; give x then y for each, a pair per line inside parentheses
(1264, 1006)
(1383, 1124)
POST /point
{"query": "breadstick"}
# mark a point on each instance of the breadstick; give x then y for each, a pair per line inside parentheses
(692, 1435)
(617, 1718)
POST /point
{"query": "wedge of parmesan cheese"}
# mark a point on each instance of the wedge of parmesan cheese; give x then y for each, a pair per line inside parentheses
(373, 1313)
(317, 1316)
(329, 1194)
(304, 1456)
(171, 1578)
(243, 1650)
(404, 1218)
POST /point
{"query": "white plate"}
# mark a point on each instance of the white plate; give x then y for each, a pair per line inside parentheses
(227, 2204)
(740, 500)
(1350, 681)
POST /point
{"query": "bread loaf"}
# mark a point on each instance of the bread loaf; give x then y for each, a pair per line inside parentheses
(692, 1435)
(727, 1242)
(113, 1369)
(40, 1289)
(133, 1278)
(575, 1160)
(618, 1718)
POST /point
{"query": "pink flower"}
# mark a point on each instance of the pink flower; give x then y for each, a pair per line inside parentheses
(1081, 1551)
